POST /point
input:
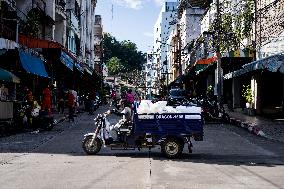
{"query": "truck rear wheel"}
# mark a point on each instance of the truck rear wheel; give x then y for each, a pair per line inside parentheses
(172, 148)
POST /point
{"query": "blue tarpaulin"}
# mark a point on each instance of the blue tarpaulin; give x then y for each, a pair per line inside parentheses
(67, 60)
(32, 64)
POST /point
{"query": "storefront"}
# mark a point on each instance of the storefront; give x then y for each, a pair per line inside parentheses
(266, 80)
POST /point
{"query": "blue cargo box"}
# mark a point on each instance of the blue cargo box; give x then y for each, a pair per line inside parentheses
(162, 125)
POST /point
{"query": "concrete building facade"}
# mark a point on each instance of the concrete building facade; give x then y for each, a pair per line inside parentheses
(162, 29)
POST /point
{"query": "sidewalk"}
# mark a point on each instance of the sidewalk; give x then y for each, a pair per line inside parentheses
(268, 128)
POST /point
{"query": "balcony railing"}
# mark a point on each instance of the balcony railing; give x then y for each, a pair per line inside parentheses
(6, 32)
(60, 7)
(40, 4)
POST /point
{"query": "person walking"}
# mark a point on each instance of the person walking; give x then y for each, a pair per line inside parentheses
(60, 103)
(46, 102)
(71, 105)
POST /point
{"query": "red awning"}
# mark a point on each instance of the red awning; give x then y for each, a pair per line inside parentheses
(38, 43)
(43, 44)
(206, 61)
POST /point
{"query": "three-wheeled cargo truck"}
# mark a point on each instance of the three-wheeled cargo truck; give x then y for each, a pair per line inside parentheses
(169, 130)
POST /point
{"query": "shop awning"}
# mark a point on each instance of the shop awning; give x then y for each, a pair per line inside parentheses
(88, 70)
(8, 76)
(8, 44)
(38, 43)
(273, 64)
(79, 67)
(67, 60)
(32, 64)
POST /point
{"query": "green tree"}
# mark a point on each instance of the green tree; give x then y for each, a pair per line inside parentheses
(126, 51)
(114, 66)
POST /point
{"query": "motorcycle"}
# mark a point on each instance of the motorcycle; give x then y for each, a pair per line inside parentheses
(93, 142)
(94, 105)
(211, 110)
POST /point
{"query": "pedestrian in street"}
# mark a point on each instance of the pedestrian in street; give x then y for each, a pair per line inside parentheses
(92, 98)
(46, 102)
(129, 98)
(71, 105)
(60, 103)
(4, 92)
(76, 105)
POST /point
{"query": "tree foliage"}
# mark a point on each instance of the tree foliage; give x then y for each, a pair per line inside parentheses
(114, 66)
(234, 26)
(126, 52)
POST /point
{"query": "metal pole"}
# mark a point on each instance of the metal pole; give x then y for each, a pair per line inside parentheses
(179, 49)
(218, 54)
(17, 31)
(255, 29)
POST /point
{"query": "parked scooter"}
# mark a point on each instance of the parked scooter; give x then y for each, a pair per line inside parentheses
(211, 110)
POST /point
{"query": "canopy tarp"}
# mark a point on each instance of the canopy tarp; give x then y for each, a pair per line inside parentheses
(8, 76)
(273, 63)
(32, 64)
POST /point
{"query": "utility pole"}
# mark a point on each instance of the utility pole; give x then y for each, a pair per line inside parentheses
(218, 54)
(179, 49)
(255, 29)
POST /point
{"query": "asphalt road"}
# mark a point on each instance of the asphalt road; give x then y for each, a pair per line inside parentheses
(229, 157)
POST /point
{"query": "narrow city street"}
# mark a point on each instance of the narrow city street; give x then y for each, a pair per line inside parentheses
(229, 157)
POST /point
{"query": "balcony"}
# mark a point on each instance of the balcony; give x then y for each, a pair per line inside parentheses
(60, 11)
(39, 4)
(7, 33)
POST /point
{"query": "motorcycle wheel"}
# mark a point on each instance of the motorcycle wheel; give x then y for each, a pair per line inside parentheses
(91, 149)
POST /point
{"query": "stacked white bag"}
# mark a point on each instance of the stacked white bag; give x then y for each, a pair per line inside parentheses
(160, 107)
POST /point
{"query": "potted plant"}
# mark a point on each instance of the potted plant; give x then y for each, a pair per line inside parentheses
(248, 95)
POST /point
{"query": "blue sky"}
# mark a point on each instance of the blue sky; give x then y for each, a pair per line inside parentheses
(132, 20)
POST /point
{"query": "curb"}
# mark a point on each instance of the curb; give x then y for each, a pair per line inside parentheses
(252, 128)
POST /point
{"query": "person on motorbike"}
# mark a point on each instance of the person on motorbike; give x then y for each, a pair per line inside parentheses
(126, 114)
(113, 98)
(129, 98)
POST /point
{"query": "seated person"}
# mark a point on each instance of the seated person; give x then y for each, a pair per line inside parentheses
(126, 114)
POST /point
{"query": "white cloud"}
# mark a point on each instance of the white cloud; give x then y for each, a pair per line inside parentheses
(148, 34)
(134, 4)
(159, 2)
(137, 4)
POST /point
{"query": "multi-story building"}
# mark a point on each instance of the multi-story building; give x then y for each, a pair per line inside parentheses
(73, 32)
(150, 74)
(8, 22)
(38, 19)
(98, 43)
(98, 37)
(162, 29)
(189, 27)
(87, 35)
(172, 47)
